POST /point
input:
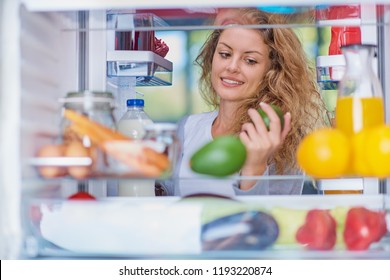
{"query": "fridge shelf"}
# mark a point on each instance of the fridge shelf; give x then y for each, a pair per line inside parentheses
(165, 227)
(147, 67)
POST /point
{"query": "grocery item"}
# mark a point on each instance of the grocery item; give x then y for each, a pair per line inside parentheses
(339, 213)
(132, 125)
(98, 133)
(319, 230)
(248, 230)
(222, 156)
(324, 153)
(96, 106)
(77, 149)
(266, 119)
(52, 150)
(359, 164)
(289, 221)
(378, 154)
(372, 161)
(354, 113)
(139, 158)
(360, 97)
(363, 227)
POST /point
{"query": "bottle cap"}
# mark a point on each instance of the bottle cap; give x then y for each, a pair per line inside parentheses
(135, 102)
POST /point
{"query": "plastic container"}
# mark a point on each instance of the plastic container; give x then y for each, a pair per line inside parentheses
(132, 125)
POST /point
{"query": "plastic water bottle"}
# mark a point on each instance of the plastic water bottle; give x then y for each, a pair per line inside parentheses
(133, 124)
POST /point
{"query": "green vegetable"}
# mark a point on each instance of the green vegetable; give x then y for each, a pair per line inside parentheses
(266, 119)
(289, 221)
(220, 157)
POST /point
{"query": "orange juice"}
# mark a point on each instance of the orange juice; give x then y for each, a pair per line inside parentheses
(355, 113)
(343, 192)
(341, 186)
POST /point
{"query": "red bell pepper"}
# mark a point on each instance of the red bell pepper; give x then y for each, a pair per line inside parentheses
(319, 230)
(363, 227)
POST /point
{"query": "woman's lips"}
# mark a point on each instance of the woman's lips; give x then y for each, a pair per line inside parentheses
(231, 82)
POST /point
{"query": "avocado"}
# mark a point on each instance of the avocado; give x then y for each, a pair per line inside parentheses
(266, 119)
(220, 157)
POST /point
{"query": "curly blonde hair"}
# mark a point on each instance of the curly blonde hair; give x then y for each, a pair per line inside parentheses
(289, 83)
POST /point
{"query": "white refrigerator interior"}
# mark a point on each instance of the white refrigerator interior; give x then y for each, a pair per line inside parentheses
(50, 48)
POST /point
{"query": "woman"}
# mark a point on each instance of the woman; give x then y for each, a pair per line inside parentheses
(243, 69)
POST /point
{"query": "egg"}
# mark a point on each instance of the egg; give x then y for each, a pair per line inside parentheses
(52, 150)
(77, 149)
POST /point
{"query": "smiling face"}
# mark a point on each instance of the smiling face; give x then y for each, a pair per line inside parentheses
(240, 62)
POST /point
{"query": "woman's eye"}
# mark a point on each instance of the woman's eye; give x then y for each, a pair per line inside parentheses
(250, 61)
(224, 54)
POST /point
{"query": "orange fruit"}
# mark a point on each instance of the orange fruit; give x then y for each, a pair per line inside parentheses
(324, 153)
(359, 161)
(378, 151)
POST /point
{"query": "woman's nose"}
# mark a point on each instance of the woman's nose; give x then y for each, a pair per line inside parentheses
(233, 65)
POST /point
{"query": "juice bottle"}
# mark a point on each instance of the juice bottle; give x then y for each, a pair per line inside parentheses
(360, 97)
(355, 113)
(360, 100)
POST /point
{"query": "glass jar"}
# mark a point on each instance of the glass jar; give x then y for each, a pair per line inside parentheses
(360, 97)
(97, 106)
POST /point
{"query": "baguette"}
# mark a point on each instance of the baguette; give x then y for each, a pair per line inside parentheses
(81, 131)
(134, 154)
(96, 131)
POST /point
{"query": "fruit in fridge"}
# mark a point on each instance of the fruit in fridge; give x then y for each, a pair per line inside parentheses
(266, 119)
(325, 153)
(223, 156)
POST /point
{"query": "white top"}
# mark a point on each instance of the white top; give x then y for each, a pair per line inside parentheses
(194, 131)
(197, 132)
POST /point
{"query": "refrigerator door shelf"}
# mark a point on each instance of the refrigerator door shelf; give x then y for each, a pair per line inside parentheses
(148, 68)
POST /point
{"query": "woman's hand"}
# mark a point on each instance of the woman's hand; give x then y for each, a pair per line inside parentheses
(260, 143)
